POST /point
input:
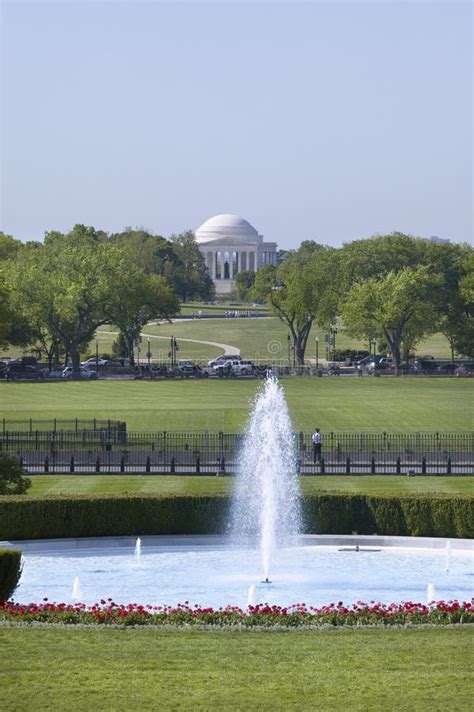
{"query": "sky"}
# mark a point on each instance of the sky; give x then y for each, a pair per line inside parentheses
(330, 121)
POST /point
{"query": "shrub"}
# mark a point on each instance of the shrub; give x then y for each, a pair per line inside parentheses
(53, 517)
(10, 572)
(12, 479)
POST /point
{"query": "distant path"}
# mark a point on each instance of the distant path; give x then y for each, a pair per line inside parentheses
(227, 348)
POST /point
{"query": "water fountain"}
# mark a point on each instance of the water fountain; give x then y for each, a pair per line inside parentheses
(266, 509)
(430, 593)
(138, 550)
(264, 526)
(77, 594)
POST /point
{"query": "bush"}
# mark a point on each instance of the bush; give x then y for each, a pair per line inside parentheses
(55, 517)
(10, 572)
(12, 479)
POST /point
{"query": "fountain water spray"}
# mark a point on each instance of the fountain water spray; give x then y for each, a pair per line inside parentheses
(138, 550)
(448, 555)
(77, 594)
(430, 593)
(266, 505)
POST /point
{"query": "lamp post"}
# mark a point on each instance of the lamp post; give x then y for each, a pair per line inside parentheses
(373, 342)
(148, 353)
(317, 351)
(97, 357)
(173, 349)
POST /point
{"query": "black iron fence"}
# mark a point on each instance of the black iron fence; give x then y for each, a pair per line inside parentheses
(54, 425)
(115, 450)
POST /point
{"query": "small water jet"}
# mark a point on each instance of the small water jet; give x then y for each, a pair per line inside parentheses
(77, 594)
(138, 550)
(448, 555)
(265, 506)
(430, 593)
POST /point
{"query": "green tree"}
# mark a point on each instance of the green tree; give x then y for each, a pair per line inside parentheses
(64, 289)
(136, 298)
(244, 282)
(397, 307)
(12, 475)
(301, 290)
(194, 282)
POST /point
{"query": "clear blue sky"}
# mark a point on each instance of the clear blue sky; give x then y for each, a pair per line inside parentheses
(323, 120)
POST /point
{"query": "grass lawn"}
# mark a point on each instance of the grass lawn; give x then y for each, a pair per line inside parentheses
(334, 404)
(257, 339)
(58, 669)
(46, 485)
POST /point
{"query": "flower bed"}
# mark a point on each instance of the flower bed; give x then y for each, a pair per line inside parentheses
(107, 612)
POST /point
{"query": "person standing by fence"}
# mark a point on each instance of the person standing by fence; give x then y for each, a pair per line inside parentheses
(317, 441)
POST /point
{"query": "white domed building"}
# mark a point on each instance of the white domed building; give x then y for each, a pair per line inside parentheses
(230, 244)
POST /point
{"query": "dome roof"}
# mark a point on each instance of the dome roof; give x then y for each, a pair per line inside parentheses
(226, 225)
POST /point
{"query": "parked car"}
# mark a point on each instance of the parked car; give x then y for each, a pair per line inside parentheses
(223, 359)
(92, 362)
(370, 358)
(53, 374)
(242, 368)
(86, 373)
(16, 372)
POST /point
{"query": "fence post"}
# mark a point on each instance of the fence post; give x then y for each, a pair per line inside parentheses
(322, 468)
(148, 464)
(399, 465)
(97, 464)
(372, 466)
(423, 465)
(348, 466)
(71, 464)
(173, 464)
(198, 464)
(222, 466)
(46, 464)
(448, 466)
(122, 464)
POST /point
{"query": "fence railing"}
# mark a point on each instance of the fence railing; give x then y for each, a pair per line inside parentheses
(116, 450)
(54, 425)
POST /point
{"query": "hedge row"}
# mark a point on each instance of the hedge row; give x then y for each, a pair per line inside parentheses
(10, 572)
(44, 518)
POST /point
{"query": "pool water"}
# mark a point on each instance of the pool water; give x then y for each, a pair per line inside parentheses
(215, 575)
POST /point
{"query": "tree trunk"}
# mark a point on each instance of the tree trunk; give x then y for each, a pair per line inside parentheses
(396, 357)
(76, 363)
(131, 355)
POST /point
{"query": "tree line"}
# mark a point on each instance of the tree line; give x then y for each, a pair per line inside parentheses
(55, 294)
(395, 289)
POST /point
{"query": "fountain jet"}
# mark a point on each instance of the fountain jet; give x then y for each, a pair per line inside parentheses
(266, 504)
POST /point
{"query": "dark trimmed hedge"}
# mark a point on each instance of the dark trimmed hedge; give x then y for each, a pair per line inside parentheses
(55, 517)
(10, 572)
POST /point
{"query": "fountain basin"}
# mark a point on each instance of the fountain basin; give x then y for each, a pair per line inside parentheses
(204, 570)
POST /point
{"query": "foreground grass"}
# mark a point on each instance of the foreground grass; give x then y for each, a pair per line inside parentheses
(58, 669)
(333, 404)
(47, 485)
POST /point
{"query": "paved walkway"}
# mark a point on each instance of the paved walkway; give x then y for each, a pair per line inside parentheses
(228, 349)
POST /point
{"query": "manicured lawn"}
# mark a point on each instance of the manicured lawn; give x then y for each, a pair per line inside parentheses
(58, 669)
(46, 485)
(334, 404)
(258, 339)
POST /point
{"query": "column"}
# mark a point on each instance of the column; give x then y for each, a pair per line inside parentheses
(213, 271)
(222, 264)
(231, 264)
